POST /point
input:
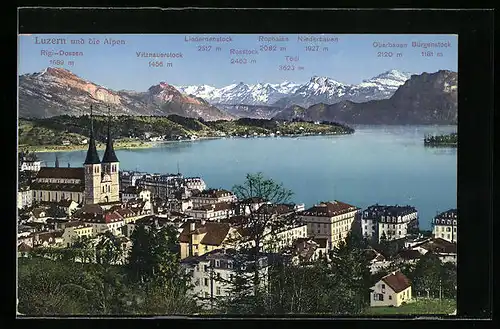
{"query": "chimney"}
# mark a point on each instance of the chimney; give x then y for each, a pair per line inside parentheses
(192, 226)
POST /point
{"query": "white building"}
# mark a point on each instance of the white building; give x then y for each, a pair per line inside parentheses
(135, 192)
(212, 196)
(24, 197)
(212, 273)
(56, 184)
(393, 222)
(195, 183)
(285, 237)
(331, 220)
(29, 162)
(212, 212)
(445, 225)
(129, 178)
(393, 289)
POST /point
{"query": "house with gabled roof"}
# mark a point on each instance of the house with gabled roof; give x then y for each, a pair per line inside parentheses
(393, 289)
(198, 238)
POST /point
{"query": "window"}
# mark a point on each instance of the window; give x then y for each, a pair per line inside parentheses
(454, 229)
(205, 268)
(217, 291)
(205, 280)
(390, 297)
(383, 286)
(448, 236)
(216, 263)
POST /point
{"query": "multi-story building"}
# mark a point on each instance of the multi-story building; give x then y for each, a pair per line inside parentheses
(213, 273)
(284, 237)
(24, 197)
(212, 196)
(445, 225)
(200, 237)
(75, 230)
(195, 183)
(331, 220)
(161, 185)
(391, 222)
(212, 212)
(135, 192)
(129, 178)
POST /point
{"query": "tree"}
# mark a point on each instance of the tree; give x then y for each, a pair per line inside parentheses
(108, 249)
(350, 268)
(449, 280)
(427, 274)
(154, 254)
(257, 224)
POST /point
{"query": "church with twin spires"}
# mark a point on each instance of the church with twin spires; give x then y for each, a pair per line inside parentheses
(96, 183)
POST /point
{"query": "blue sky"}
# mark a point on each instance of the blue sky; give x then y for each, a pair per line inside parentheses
(350, 59)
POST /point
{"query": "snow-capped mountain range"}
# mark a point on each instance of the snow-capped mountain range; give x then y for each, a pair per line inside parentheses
(316, 90)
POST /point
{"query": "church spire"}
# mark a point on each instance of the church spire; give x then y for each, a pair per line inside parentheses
(92, 156)
(109, 154)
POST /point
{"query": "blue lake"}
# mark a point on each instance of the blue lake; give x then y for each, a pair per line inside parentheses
(377, 164)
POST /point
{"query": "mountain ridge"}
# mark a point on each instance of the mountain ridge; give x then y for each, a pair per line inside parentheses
(428, 98)
(58, 91)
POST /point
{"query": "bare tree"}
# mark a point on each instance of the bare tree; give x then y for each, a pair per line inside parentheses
(262, 200)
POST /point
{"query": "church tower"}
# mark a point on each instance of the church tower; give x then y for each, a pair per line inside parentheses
(110, 167)
(92, 167)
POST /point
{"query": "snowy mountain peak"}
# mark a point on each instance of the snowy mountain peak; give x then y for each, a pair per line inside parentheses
(392, 75)
(317, 89)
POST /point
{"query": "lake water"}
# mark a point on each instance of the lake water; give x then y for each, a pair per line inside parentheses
(376, 164)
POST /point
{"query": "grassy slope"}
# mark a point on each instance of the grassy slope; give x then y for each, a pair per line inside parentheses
(419, 306)
(48, 134)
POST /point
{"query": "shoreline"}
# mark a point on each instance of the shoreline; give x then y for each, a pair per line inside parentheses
(150, 144)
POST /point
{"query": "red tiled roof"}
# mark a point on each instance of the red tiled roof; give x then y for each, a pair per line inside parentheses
(213, 193)
(112, 217)
(397, 281)
(215, 233)
(75, 223)
(125, 212)
(216, 206)
(91, 209)
(68, 173)
(23, 247)
(57, 187)
(278, 209)
(410, 254)
(439, 245)
(329, 209)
